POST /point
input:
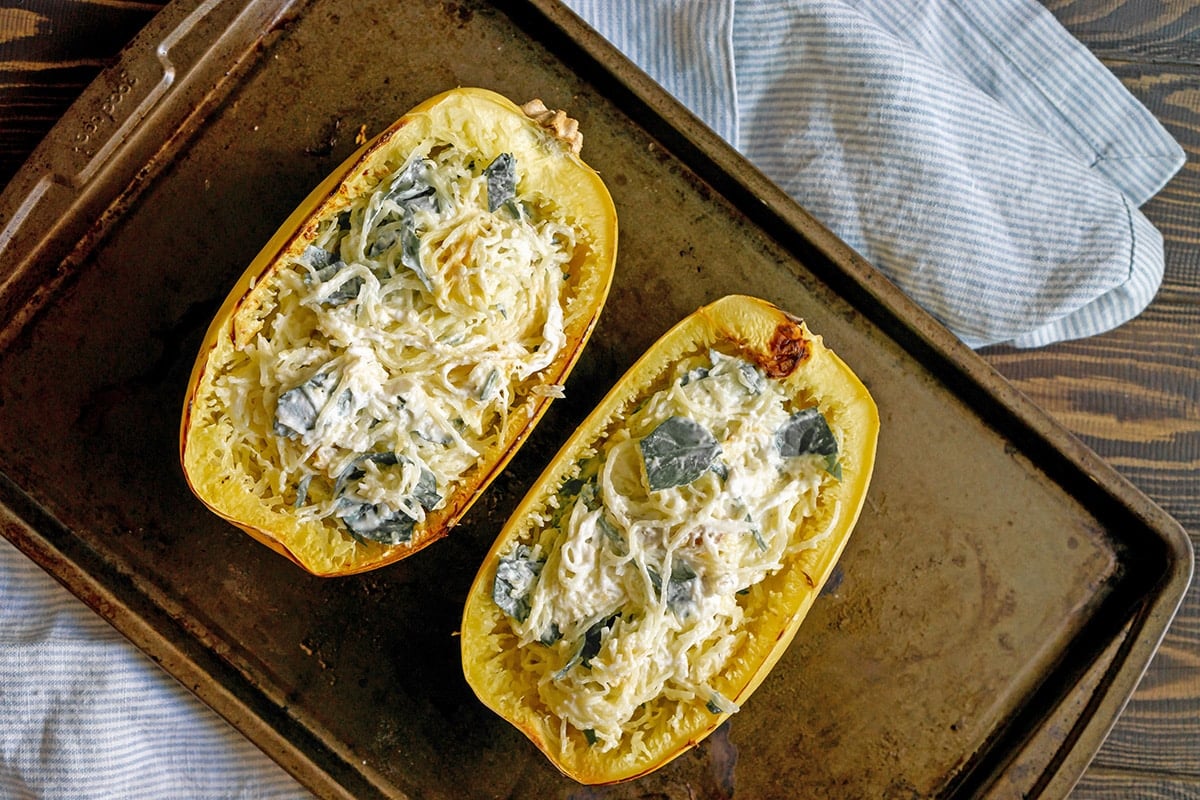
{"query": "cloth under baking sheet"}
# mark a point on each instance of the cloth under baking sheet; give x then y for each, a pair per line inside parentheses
(973, 151)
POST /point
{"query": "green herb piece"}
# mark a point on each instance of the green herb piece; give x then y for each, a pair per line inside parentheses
(501, 177)
(590, 735)
(677, 452)
(612, 535)
(681, 588)
(489, 385)
(377, 521)
(718, 704)
(516, 574)
(807, 433)
(589, 647)
(297, 409)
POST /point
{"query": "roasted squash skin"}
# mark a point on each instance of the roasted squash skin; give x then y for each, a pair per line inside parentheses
(785, 351)
(546, 149)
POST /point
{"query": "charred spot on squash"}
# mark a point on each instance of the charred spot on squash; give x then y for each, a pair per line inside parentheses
(788, 349)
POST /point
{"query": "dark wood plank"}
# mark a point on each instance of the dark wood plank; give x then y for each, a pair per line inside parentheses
(1133, 394)
(50, 50)
(1148, 31)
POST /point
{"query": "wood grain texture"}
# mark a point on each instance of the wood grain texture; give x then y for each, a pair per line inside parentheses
(1133, 394)
(50, 50)
(1147, 31)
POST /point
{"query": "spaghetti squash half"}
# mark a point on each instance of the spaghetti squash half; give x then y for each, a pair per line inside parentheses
(395, 342)
(661, 564)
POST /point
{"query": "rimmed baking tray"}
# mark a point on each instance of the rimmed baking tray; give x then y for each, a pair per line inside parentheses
(997, 604)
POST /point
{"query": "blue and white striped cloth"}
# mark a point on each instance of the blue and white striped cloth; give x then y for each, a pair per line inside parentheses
(972, 150)
(84, 715)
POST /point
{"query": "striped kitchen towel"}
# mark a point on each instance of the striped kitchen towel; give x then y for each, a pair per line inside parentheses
(974, 152)
(84, 715)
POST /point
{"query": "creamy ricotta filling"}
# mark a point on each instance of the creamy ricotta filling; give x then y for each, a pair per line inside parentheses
(398, 341)
(631, 591)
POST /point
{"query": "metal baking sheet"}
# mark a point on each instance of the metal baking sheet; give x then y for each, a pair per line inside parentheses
(993, 612)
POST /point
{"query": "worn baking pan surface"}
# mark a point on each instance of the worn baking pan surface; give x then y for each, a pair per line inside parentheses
(993, 611)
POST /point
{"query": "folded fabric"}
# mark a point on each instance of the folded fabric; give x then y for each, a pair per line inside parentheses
(84, 715)
(974, 152)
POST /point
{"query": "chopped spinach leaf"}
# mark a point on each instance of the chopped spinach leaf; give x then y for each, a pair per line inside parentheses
(502, 182)
(410, 250)
(757, 534)
(302, 490)
(807, 433)
(377, 521)
(612, 534)
(719, 704)
(318, 258)
(681, 594)
(680, 591)
(655, 580)
(412, 189)
(516, 574)
(593, 638)
(385, 239)
(693, 375)
(720, 469)
(297, 409)
(833, 466)
(751, 377)
(590, 736)
(426, 492)
(344, 293)
(490, 385)
(551, 635)
(589, 495)
(589, 647)
(677, 452)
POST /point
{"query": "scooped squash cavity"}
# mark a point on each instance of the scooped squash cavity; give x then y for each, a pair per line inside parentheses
(397, 339)
(661, 564)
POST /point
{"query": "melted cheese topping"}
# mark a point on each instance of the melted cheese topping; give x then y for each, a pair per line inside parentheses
(398, 342)
(635, 592)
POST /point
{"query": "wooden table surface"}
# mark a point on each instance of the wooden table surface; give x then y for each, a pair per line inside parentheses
(1132, 395)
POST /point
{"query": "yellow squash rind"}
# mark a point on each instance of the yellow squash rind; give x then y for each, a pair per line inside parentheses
(467, 117)
(783, 347)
